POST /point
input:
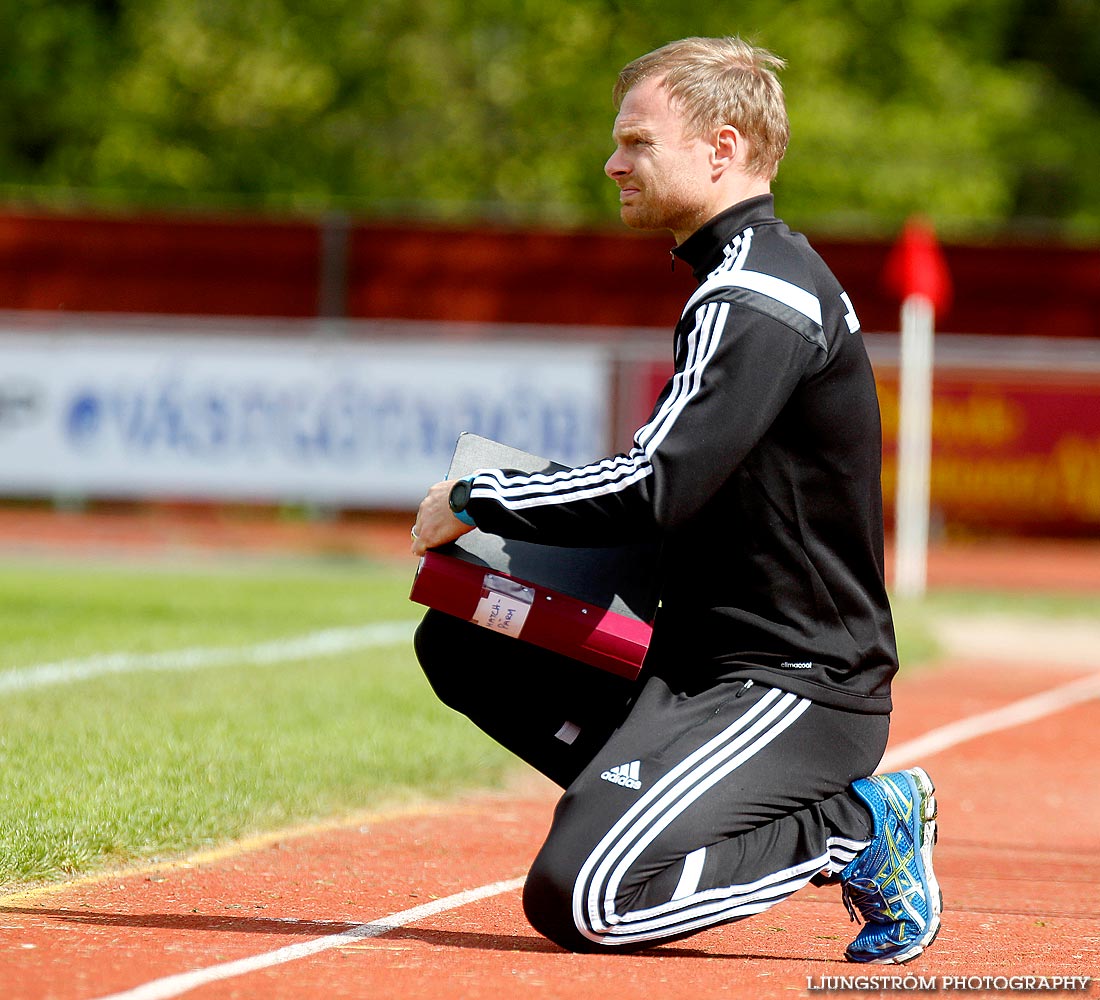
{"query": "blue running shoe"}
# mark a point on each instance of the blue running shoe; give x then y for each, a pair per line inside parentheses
(891, 882)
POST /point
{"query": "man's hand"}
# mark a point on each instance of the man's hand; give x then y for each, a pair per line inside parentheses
(435, 521)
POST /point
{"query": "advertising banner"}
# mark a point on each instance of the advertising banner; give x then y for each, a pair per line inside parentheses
(280, 419)
(1009, 448)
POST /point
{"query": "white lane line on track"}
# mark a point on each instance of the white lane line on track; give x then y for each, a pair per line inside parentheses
(1015, 714)
(326, 642)
(173, 986)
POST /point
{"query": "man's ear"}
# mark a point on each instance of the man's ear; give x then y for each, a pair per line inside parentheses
(728, 149)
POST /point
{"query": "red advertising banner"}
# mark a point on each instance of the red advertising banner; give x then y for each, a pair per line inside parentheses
(1010, 449)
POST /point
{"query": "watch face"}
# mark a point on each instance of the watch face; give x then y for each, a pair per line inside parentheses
(460, 495)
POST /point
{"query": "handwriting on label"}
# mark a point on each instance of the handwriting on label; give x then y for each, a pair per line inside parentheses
(501, 612)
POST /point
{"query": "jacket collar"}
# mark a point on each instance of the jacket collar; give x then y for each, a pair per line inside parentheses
(702, 250)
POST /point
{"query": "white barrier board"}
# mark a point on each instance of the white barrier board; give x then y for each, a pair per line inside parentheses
(285, 419)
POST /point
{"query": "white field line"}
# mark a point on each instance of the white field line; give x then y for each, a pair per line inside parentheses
(173, 986)
(1015, 714)
(935, 741)
(326, 642)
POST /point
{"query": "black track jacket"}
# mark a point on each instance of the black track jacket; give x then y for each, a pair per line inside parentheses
(760, 471)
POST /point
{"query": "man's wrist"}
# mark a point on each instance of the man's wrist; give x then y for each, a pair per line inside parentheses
(459, 498)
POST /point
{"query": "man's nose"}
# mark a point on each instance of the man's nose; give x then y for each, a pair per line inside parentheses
(616, 166)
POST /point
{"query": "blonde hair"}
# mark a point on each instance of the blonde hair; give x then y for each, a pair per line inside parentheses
(721, 81)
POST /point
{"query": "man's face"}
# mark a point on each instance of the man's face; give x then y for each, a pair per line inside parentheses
(663, 175)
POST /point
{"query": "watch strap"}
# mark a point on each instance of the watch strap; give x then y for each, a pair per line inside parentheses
(461, 513)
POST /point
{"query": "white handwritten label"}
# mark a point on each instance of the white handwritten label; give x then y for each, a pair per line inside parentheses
(504, 605)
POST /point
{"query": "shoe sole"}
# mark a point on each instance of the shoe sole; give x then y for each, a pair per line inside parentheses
(929, 834)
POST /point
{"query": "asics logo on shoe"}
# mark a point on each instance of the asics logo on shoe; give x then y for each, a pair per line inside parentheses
(626, 775)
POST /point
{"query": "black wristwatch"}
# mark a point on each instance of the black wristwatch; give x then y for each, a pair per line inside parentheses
(460, 496)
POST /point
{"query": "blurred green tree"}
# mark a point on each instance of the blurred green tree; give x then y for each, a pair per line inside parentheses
(979, 114)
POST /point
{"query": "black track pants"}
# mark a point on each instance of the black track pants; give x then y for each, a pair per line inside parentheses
(683, 808)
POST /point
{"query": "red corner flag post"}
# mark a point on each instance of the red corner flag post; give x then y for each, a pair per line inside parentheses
(917, 273)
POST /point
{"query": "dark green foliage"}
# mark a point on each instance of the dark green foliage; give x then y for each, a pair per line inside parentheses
(976, 113)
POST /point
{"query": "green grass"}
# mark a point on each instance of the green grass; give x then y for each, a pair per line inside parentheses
(144, 764)
(150, 764)
(58, 611)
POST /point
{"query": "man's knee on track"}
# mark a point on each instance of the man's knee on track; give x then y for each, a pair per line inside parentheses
(548, 906)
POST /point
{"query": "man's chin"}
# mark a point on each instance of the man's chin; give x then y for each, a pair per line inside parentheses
(637, 220)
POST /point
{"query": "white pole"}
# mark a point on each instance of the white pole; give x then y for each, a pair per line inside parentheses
(914, 447)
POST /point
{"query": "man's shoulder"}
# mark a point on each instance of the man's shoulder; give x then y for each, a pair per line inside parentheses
(775, 271)
(777, 249)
